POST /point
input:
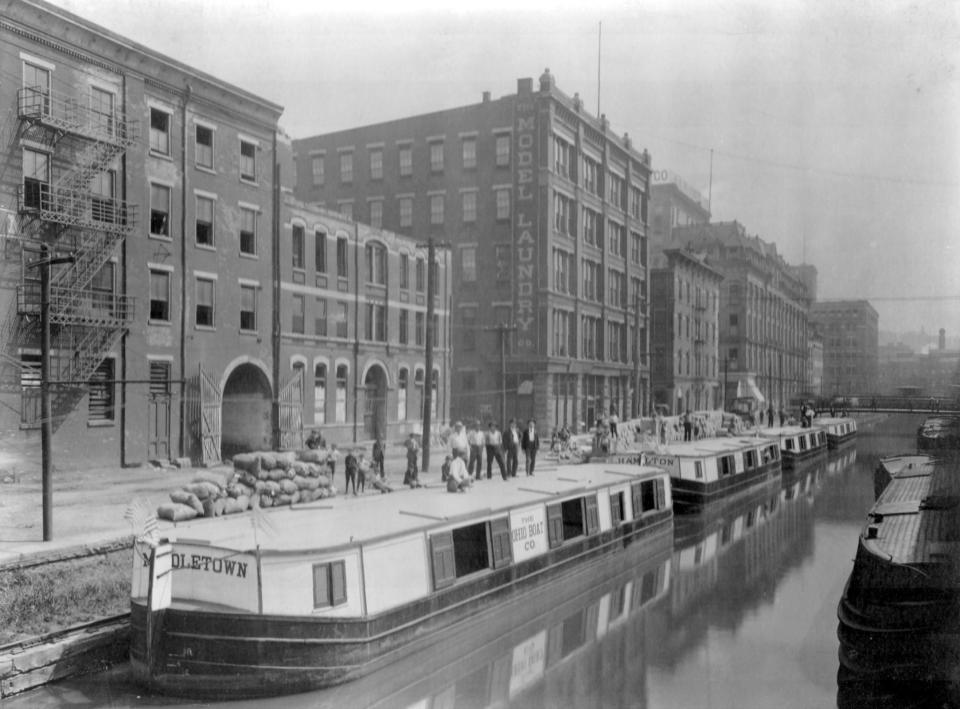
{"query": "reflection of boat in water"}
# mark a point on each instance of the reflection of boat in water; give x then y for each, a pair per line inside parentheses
(708, 471)
(841, 460)
(330, 592)
(900, 611)
(840, 431)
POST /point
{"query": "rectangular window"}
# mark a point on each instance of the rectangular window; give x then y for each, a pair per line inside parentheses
(36, 179)
(159, 379)
(591, 176)
(340, 414)
(101, 106)
(403, 330)
(36, 84)
(503, 204)
(376, 325)
(203, 147)
(346, 167)
(468, 264)
(248, 308)
(436, 157)
(159, 296)
(205, 302)
(635, 244)
(405, 156)
(297, 246)
(298, 312)
(341, 257)
(376, 214)
(159, 210)
(320, 317)
(159, 131)
(503, 150)
(468, 325)
(502, 254)
(102, 287)
(318, 170)
(591, 227)
(30, 389)
(320, 392)
(320, 251)
(616, 239)
(103, 207)
(376, 264)
(376, 164)
(616, 508)
(342, 321)
(419, 337)
(469, 153)
(436, 209)
(204, 221)
(561, 157)
(469, 206)
(421, 275)
(101, 402)
(248, 231)
(616, 193)
(329, 584)
(406, 211)
(563, 209)
(248, 161)
(404, 272)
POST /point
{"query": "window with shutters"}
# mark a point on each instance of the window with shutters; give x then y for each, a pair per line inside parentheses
(500, 546)
(442, 556)
(616, 508)
(591, 514)
(566, 520)
(329, 584)
(159, 378)
(470, 552)
(101, 403)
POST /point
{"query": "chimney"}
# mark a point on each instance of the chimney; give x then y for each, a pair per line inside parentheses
(486, 97)
(547, 81)
(943, 339)
(525, 86)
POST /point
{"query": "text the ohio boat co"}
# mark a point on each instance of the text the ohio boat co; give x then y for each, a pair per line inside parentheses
(706, 471)
(797, 444)
(310, 596)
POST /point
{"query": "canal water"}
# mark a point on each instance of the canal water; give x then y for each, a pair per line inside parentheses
(739, 613)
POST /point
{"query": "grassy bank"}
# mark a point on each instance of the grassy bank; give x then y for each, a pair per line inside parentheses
(47, 598)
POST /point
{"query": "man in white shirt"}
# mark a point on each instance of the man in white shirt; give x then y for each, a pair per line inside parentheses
(458, 479)
(459, 447)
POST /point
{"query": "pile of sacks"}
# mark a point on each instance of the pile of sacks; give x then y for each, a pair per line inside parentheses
(263, 479)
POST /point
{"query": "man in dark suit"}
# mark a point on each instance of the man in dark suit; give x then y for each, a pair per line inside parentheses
(530, 442)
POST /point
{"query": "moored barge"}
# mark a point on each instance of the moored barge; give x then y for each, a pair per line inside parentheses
(703, 473)
(939, 433)
(797, 444)
(840, 431)
(294, 599)
(900, 611)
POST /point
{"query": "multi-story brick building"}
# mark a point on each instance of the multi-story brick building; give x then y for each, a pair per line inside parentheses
(684, 308)
(673, 204)
(545, 211)
(763, 319)
(850, 345)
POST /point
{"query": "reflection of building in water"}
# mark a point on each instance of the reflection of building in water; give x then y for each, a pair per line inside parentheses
(573, 643)
(724, 566)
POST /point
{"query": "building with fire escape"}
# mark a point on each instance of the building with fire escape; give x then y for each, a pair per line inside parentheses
(155, 182)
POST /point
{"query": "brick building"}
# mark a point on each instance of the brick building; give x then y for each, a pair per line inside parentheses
(850, 346)
(763, 320)
(545, 211)
(684, 309)
(673, 204)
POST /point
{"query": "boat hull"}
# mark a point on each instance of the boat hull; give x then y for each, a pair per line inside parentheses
(693, 497)
(207, 654)
(794, 459)
(835, 441)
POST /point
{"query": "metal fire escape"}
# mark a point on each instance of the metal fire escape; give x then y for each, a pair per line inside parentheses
(74, 211)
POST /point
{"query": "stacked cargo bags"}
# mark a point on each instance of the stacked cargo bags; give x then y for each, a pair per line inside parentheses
(264, 479)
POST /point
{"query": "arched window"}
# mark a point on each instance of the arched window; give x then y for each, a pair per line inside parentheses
(341, 412)
(402, 377)
(320, 393)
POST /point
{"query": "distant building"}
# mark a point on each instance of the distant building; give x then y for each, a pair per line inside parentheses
(673, 204)
(850, 342)
(815, 363)
(545, 212)
(763, 313)
(684, 297)
(932, 372)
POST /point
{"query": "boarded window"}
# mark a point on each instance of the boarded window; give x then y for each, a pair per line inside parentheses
(101, 404)
(444, 566)
(159, 378)
(591, 514)
(502, 550)
(555, 525)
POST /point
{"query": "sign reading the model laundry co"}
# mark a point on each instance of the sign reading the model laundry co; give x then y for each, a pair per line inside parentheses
(528, 533)
(205, 573)
(525, 225)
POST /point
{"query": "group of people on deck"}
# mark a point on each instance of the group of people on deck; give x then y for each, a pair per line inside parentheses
(464, 464)
(358, 469)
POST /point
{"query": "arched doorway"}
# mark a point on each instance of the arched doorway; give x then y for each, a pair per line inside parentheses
(246, 411)
(375, 402)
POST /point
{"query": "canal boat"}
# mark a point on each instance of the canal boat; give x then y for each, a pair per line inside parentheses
(797, 443)
(902, 467)
(282, 601)
(939, 433)
(840, 431)
(899, 617)
(706, 472)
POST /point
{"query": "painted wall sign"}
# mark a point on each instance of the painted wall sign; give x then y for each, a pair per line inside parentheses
(529, 662)
(529, 533)
(525, 225)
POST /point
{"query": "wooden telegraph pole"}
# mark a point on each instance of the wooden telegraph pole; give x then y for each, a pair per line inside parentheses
(431, 247)
(503, 329)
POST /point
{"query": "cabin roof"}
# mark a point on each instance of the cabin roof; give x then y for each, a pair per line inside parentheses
(712, 446)
(347, 520)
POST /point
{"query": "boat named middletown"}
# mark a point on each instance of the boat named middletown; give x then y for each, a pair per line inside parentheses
(287, 600)
(710, 470)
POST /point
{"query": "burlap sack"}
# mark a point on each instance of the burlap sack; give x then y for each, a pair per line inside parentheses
(175, 511)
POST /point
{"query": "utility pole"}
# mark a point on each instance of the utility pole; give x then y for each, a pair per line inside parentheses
(503, 329)
(431, 246)
(46, 424)
(636, 356)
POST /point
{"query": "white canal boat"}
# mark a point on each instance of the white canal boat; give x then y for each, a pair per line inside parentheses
(292, 599)
(797, 444)
(839, 430)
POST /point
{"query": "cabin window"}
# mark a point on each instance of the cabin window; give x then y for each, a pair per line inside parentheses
(727, 466)
(502, 550)
(774, 453)
(789, 443)
(749, 459)
(329, 584)
(616, 508)
(802, 440)
(565, 520)
(470, 552)
(698, 469)
(647, 496)
(466, 550)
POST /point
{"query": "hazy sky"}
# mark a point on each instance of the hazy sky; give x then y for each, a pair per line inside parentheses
(835, 126)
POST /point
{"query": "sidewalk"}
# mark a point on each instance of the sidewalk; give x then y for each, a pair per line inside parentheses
(89, 504)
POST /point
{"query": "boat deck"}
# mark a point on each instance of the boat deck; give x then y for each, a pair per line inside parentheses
(917, 517)
(710, 446)
(348, 519)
